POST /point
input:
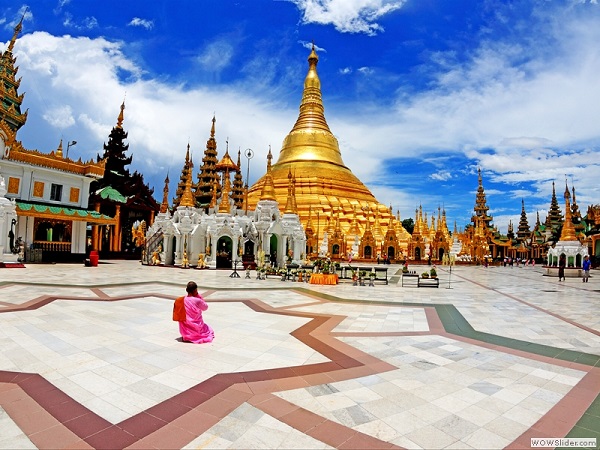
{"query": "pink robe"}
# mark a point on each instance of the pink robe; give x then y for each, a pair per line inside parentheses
(194, 329)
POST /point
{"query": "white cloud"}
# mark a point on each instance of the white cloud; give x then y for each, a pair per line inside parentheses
(60, 117)
(160, 118)
(348, 16)
(345, 70)
(443, 175)
(137, 22)
(216, 56)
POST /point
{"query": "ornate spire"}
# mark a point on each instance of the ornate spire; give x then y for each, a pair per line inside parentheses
(17, 31)
(59, 150)
(187, 199)
(164, 206)
(213, 200)
(523, 231)
(9, 85)
(309, 226)
(268, 190)
(185, 171)
(568, 230)
(237, 193)
(208, 173)
(121, 116)
(481, 207)
(289, 207)
(294, 205)
(554, 217)
(224, 207)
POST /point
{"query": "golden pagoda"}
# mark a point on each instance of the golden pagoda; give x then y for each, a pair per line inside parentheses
(324, 187)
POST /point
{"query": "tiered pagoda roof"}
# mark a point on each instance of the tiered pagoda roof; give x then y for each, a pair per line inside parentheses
(208, 176)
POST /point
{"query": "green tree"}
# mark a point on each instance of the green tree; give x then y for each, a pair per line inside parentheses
(409, 225)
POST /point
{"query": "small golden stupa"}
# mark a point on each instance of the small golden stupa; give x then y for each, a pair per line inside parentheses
(326, 191)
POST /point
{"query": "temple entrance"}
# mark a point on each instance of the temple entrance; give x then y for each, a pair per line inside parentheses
(368, 252)
(273, 242)
(335, 250)
(248, 256)
(417, 253)
(224, 249)
(441, 254)
(391, 253)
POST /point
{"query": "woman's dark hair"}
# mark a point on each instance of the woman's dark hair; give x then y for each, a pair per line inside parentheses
(191, 287)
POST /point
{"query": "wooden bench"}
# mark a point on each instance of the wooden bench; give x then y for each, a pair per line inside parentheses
(412, 279)
(381, 274)
(428, 282)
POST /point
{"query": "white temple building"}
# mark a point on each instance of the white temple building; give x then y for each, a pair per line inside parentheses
(226, 235)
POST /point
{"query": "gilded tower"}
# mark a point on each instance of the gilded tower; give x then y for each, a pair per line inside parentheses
(324, 186)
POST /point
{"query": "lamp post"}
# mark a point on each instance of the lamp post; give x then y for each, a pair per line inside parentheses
(249, 154)
(69, 145)
(317, 234)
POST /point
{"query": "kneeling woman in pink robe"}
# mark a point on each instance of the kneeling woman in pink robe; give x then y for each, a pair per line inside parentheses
(188, 312)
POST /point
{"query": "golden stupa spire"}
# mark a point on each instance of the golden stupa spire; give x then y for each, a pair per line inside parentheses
(164, 206)
(224, 206)
(268, 190)
(187, 199)
(312, 152)
(568, 230)
(120, 118)
(59, 150)
(311, 120)
(289, 207)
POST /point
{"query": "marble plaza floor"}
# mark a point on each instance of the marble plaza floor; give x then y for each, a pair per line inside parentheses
(90, 358)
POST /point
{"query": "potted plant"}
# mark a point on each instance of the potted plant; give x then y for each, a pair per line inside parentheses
(433, 272)
(425, 275)
(404, 269)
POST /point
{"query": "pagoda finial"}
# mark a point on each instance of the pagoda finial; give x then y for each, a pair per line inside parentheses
(17, 30)
(212, 128)
(568, 229)
(164, 206)
(120, 118)
(213, 201)
(268, 190)
(224, 206)
(59, 150)
(187, 199)
(289, 207)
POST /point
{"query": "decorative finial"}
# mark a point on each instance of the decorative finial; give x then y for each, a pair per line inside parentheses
(120, 118)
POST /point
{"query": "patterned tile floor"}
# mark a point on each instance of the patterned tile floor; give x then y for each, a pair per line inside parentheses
(89, 358)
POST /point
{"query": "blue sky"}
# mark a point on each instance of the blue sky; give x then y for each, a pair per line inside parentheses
(419, 93)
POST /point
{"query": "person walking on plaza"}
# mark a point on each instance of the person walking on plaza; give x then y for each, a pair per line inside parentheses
(187, 311)
(562, 262)
(586, 268)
